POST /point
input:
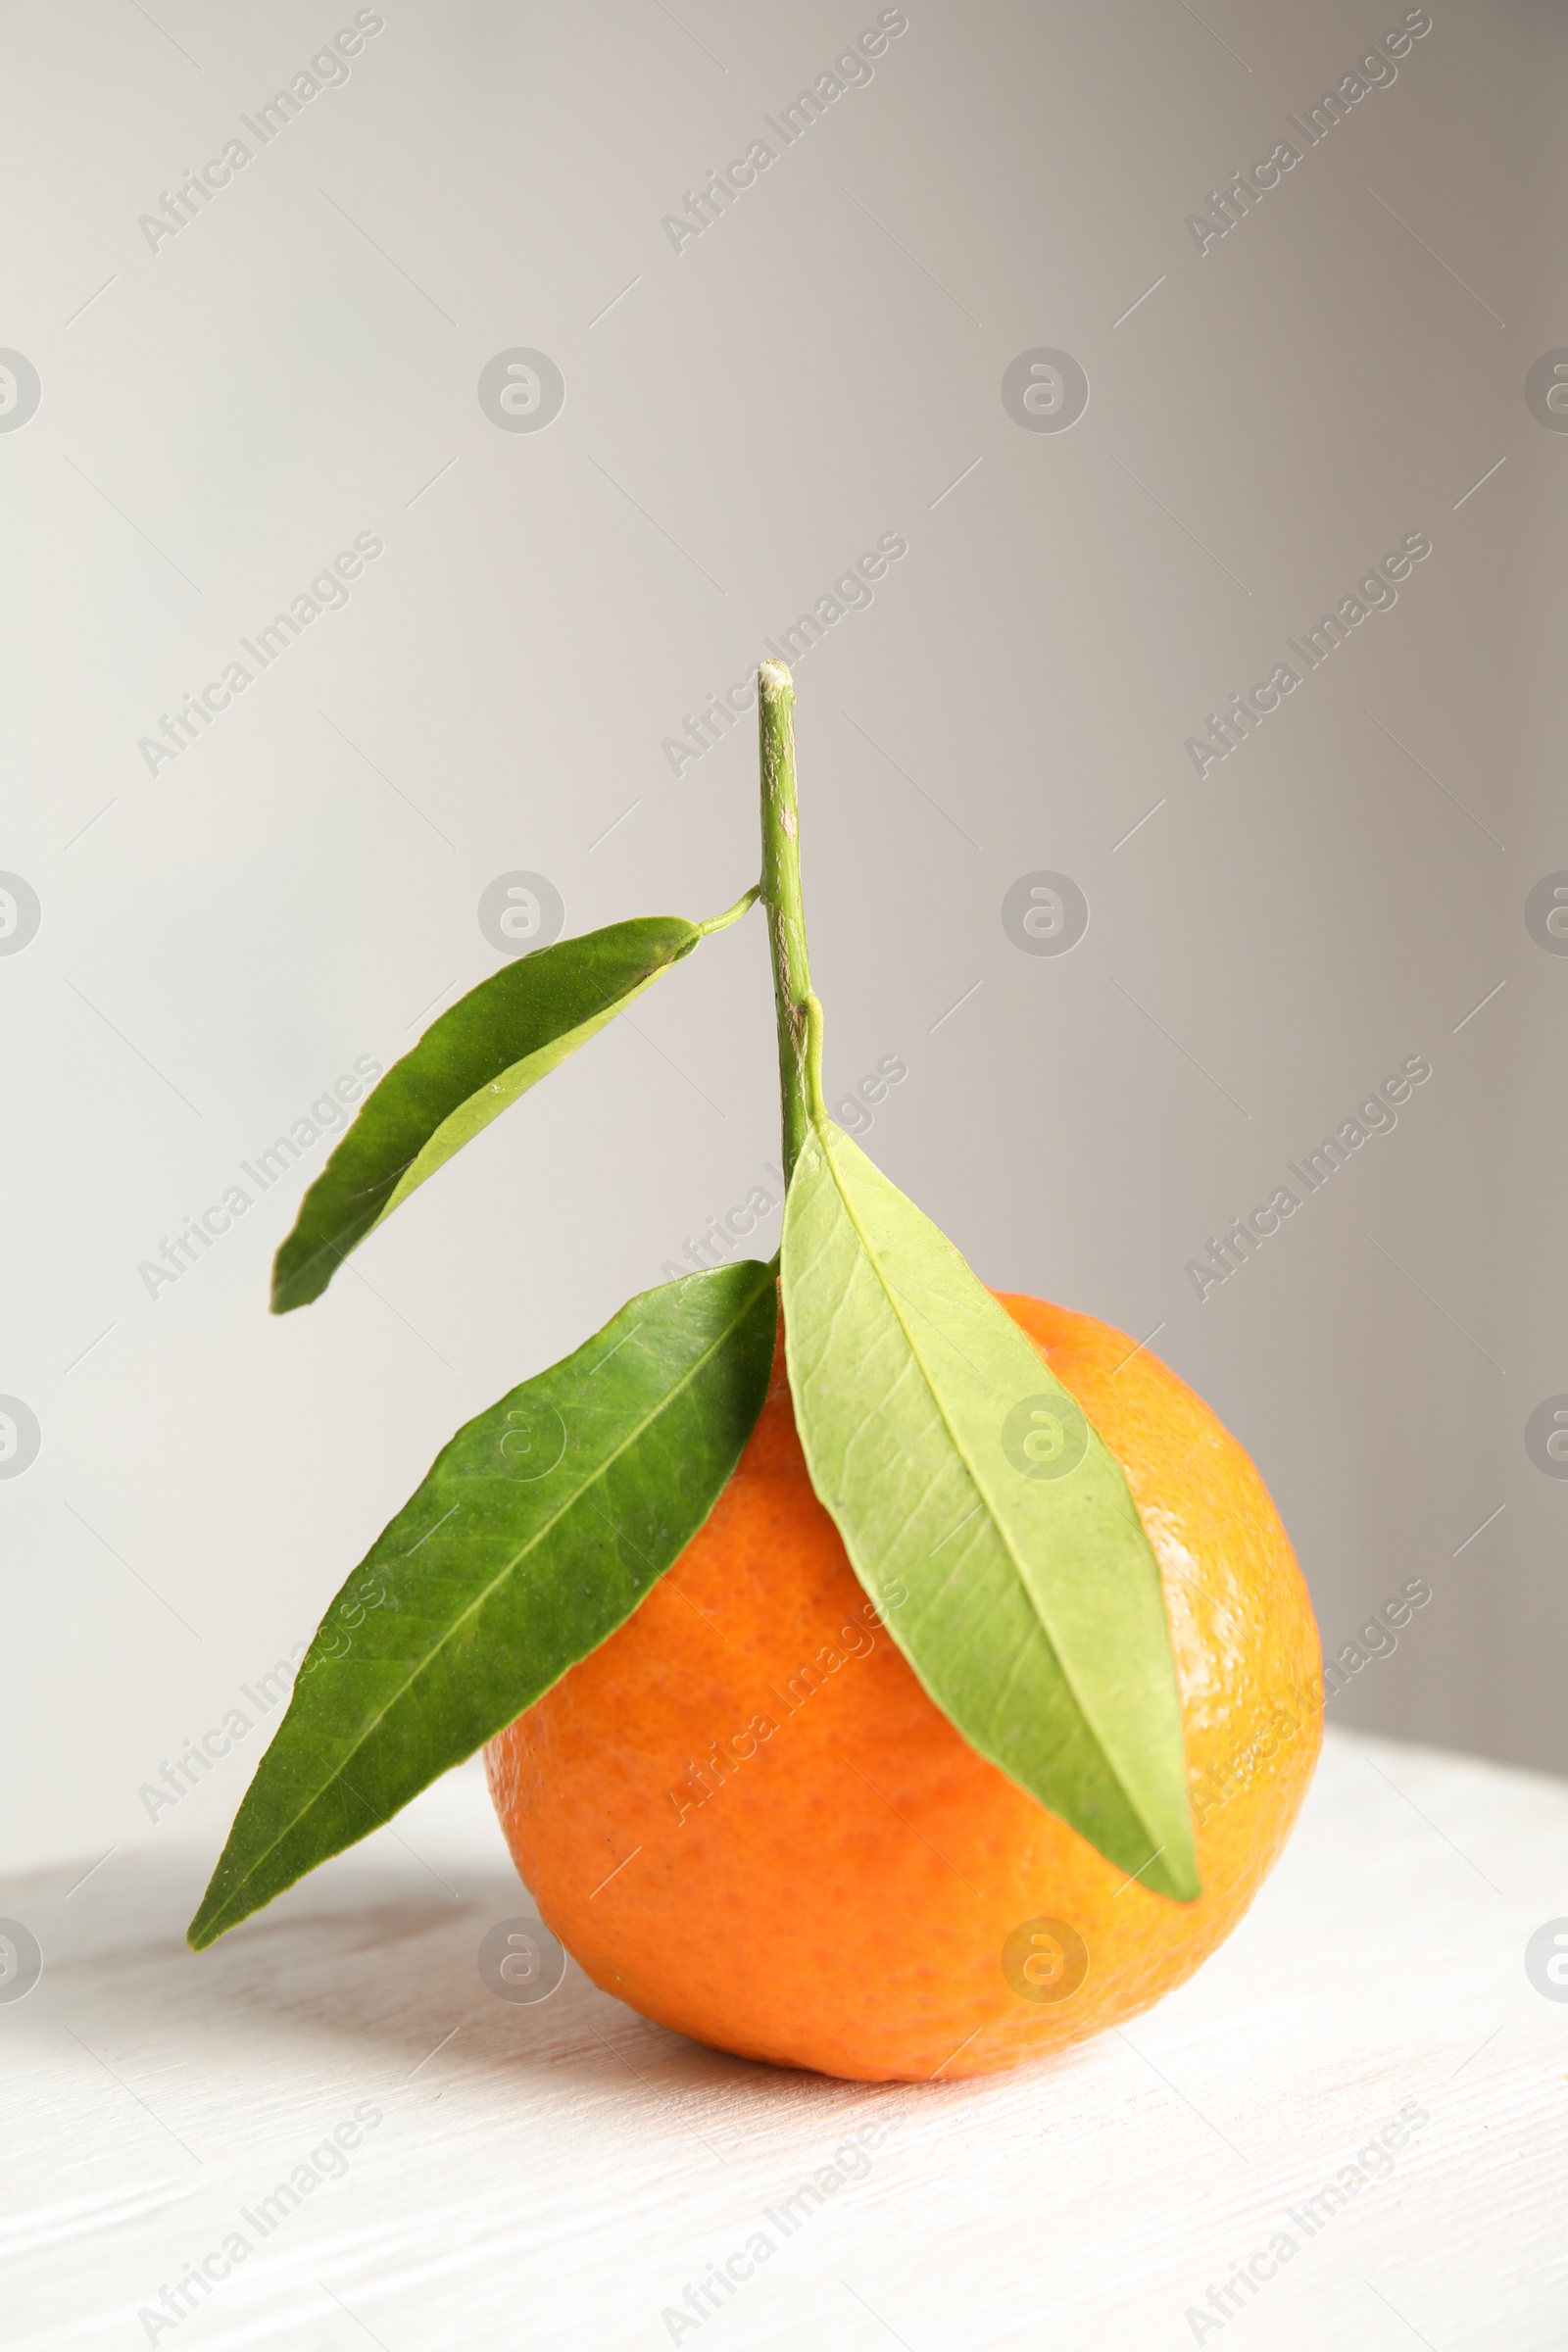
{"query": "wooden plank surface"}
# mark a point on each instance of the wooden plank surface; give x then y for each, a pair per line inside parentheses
(561, 2172)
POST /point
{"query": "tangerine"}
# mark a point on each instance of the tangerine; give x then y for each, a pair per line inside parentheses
(743, 1815)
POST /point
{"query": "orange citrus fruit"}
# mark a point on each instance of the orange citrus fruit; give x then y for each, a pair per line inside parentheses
(743, 1816)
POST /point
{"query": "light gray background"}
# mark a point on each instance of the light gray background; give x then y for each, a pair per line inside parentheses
(220, 940)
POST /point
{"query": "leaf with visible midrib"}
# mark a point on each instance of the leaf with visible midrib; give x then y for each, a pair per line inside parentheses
(539, 1529)
(484, 1052)
(936, 1434)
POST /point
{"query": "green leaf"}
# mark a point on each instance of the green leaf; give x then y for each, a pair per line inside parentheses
(537, 1533)
(962, 1473)
(488, 1048)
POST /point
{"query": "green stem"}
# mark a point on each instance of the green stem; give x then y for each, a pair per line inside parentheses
(800, 1015)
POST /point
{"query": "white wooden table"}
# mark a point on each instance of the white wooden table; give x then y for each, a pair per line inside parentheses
(560, 2172)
